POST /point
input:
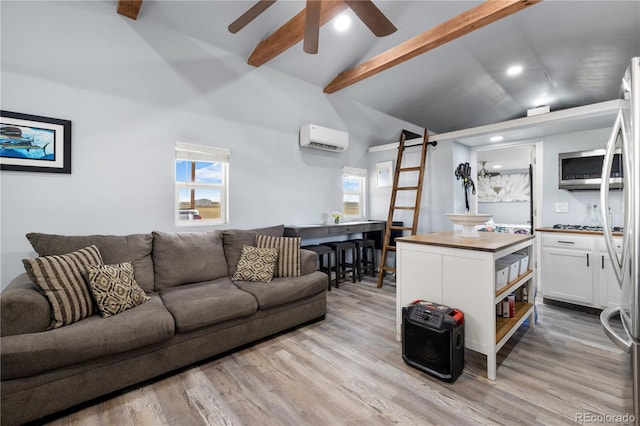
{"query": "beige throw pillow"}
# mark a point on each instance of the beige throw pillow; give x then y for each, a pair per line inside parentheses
(114, 288)
(288, 264)
(60, 279)
(256, 264)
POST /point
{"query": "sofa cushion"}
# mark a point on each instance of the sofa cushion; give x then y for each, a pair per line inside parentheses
(94, 337)
(60, 279)
(114, 288)
(113, 249)
(288, 264)
(187, 257)
(234, 239)
(285, 290)
(201, 304)
(256, 264)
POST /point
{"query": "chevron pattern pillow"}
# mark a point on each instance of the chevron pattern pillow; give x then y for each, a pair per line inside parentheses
(60, 279)
(115, 288)
(256, 264)
(288, 254)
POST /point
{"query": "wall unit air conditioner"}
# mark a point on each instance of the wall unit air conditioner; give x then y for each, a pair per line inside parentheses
(312, 136)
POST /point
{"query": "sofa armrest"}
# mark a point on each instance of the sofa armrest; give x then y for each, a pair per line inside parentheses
(308, 261)
(23, 309)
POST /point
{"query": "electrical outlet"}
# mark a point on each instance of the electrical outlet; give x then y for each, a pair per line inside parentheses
(562, 207)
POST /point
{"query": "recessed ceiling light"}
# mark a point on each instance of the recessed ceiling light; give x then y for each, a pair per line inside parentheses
(342, 22)
(542, 100)
(514, 70)
(496, 138)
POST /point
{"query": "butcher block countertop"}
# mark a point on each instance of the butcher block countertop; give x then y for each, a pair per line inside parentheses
(576, 231)
(487, 241)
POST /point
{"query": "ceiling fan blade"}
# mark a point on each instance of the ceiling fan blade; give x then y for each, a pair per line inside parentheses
(372, 17)
(312, 26)
(249, 15)
(487, 174)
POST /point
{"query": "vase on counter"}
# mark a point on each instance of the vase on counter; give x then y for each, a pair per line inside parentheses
(336, 217)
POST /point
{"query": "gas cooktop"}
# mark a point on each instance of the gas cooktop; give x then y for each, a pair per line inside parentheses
(585, 228)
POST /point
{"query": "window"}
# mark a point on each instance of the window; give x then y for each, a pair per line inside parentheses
(353, 193)
(202, 184)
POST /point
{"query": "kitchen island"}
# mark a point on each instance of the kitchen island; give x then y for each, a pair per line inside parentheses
(460, 272)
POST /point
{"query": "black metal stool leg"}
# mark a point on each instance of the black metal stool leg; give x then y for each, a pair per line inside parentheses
(356, 267)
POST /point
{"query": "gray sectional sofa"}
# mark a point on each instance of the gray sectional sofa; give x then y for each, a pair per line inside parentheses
(195, 312)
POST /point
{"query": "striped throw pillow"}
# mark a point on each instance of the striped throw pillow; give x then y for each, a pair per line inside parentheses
(60, 279)
(288, 264)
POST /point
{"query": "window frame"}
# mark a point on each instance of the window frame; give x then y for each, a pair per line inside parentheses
(362, 194)
(202, 154)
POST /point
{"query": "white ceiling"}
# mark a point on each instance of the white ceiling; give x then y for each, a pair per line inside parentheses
(574, 53)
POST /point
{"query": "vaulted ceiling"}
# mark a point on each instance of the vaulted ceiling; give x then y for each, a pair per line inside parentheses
(572, 53)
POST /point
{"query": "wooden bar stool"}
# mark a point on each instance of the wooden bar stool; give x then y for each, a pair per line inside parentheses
(324, 254)
(341, 266)
(365, 257)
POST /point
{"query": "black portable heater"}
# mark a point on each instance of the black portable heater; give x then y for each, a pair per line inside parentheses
(433, 339)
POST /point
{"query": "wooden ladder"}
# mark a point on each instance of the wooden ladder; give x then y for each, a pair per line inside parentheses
(386, 245)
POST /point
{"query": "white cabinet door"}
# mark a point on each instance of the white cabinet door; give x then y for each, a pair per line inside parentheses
(607, 282)
(567, 275)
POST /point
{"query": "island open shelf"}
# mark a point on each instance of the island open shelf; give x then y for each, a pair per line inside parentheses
(460, 272)
(505, 325)
(514, 284)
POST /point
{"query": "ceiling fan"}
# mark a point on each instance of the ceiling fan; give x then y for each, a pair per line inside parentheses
(368, 13)
(486, 173)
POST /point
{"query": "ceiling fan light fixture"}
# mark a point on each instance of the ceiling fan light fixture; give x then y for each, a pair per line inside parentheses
(342, 22)
(484, 173)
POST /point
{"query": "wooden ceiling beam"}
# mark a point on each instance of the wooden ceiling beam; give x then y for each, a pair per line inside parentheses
(291, 33)
(129, 8)
(464, 23)
(249, 15)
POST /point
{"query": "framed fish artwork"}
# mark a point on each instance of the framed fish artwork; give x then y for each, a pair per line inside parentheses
(31, 143)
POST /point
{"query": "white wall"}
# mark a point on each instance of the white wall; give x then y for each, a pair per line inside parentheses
(441, 192)
(131, 90)
(512, 212)
(580, 202)
(461, 154)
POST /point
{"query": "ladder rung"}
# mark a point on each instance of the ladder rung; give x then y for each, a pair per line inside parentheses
(387, 244)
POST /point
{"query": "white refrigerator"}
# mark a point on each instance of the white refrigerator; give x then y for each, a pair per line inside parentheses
(626, 134)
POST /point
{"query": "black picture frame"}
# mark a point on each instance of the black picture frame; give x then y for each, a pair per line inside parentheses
(31, 143)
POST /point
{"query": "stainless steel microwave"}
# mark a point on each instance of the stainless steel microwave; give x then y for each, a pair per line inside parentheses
(583, 169)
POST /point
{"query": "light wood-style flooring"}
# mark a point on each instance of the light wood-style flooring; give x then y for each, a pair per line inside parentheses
(348, 370)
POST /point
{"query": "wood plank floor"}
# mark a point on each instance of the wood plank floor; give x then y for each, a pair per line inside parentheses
(348, 370)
